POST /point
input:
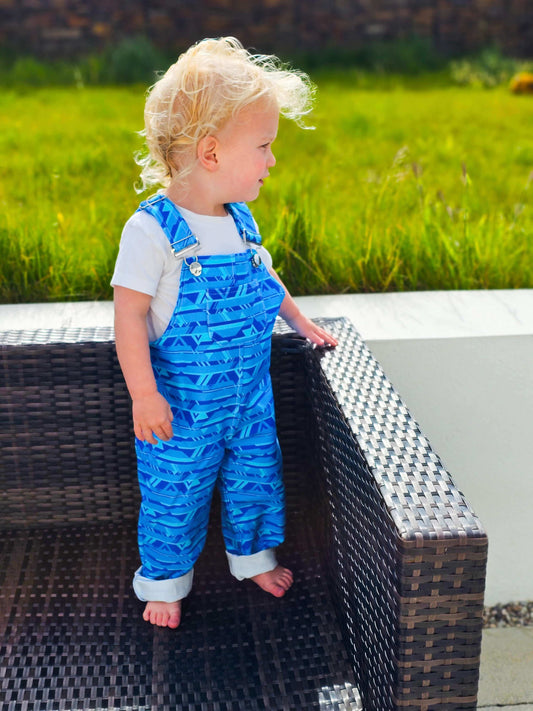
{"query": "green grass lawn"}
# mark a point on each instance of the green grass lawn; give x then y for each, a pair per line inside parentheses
(398, 188)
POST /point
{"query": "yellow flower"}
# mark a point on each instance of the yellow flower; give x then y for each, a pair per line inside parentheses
(522, 83)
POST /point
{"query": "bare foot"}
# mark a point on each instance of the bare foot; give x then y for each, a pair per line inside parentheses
(276, 582)
(163, 614)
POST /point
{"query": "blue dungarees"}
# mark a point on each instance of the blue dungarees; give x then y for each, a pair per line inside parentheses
(212, 365)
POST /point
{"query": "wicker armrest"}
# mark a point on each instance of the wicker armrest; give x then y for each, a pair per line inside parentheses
(407, 554)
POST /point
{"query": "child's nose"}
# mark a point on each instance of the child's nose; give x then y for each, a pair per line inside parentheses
(271, 160)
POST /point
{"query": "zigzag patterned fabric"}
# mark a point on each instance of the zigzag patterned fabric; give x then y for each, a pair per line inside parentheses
(172, 223)
(212, 365)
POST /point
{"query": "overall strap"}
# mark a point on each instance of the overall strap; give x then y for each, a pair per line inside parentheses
(244, 221)
(172, 222)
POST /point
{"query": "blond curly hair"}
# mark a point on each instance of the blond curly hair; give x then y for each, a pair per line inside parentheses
(199, 93)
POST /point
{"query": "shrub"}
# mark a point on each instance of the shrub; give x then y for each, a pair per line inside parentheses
(411, 55)
(134, 60)
(488, 69)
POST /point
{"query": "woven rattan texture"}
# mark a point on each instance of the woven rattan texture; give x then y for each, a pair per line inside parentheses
(388, 557)
(70, 627)
(74, 639)
(66, 440)
(406, 552)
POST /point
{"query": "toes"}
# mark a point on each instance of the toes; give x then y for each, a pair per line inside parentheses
(174, 621)
(161, 615)
(275, 582)
(285, 579)
(283, 584)
(155, 618)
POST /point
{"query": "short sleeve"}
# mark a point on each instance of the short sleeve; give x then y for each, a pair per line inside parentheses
(142, 255)
(265, 256)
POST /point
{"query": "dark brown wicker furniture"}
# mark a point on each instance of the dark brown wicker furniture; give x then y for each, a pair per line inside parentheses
(389, 559)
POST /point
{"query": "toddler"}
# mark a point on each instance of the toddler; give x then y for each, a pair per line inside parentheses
(196, 298)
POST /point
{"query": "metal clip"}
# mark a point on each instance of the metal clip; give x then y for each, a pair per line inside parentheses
(155, 198)
(185, 251)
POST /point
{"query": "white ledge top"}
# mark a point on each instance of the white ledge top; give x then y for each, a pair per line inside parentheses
(430, 314)
(378, 317)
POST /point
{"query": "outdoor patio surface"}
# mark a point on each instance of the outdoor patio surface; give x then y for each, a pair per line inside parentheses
(506, 678)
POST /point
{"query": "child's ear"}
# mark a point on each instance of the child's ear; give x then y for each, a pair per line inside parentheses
(207, 152)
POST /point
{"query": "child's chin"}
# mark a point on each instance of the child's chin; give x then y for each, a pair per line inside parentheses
(251, 196)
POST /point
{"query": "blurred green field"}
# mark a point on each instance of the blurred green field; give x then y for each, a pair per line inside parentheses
(402, 185)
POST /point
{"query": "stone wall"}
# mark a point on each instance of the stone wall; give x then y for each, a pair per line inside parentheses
(68, 27)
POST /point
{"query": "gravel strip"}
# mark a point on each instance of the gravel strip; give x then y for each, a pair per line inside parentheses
(514, 614)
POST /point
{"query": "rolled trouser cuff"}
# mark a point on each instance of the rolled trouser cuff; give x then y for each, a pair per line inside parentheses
(246, 566)
(169, 590)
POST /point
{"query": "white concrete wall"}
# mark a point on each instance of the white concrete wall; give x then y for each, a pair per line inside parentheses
(463, 363)
(473, 398)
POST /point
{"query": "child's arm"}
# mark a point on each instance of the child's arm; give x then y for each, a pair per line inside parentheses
(152, 415)
(290, 312)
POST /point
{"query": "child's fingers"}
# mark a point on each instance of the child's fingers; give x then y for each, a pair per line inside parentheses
(329, 339)
(321, 337)
(151, 438)
(152, 434)
(137, 428)
(165, 431)
(145, 434)
(152, 418)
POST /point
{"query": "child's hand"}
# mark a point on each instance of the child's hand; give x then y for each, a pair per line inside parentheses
(305, 327)
(152, 417)
(301, 324)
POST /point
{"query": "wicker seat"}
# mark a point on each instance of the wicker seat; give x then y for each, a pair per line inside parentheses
(389, 559)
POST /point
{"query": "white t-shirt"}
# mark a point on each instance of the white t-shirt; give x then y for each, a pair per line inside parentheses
(146, 262)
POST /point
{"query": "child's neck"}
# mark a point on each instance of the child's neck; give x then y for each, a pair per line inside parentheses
(196, 200)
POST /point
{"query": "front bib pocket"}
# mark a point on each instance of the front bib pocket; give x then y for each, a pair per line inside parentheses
(236, 313)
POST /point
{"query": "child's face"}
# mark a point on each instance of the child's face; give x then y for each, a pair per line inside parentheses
(244, 151)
